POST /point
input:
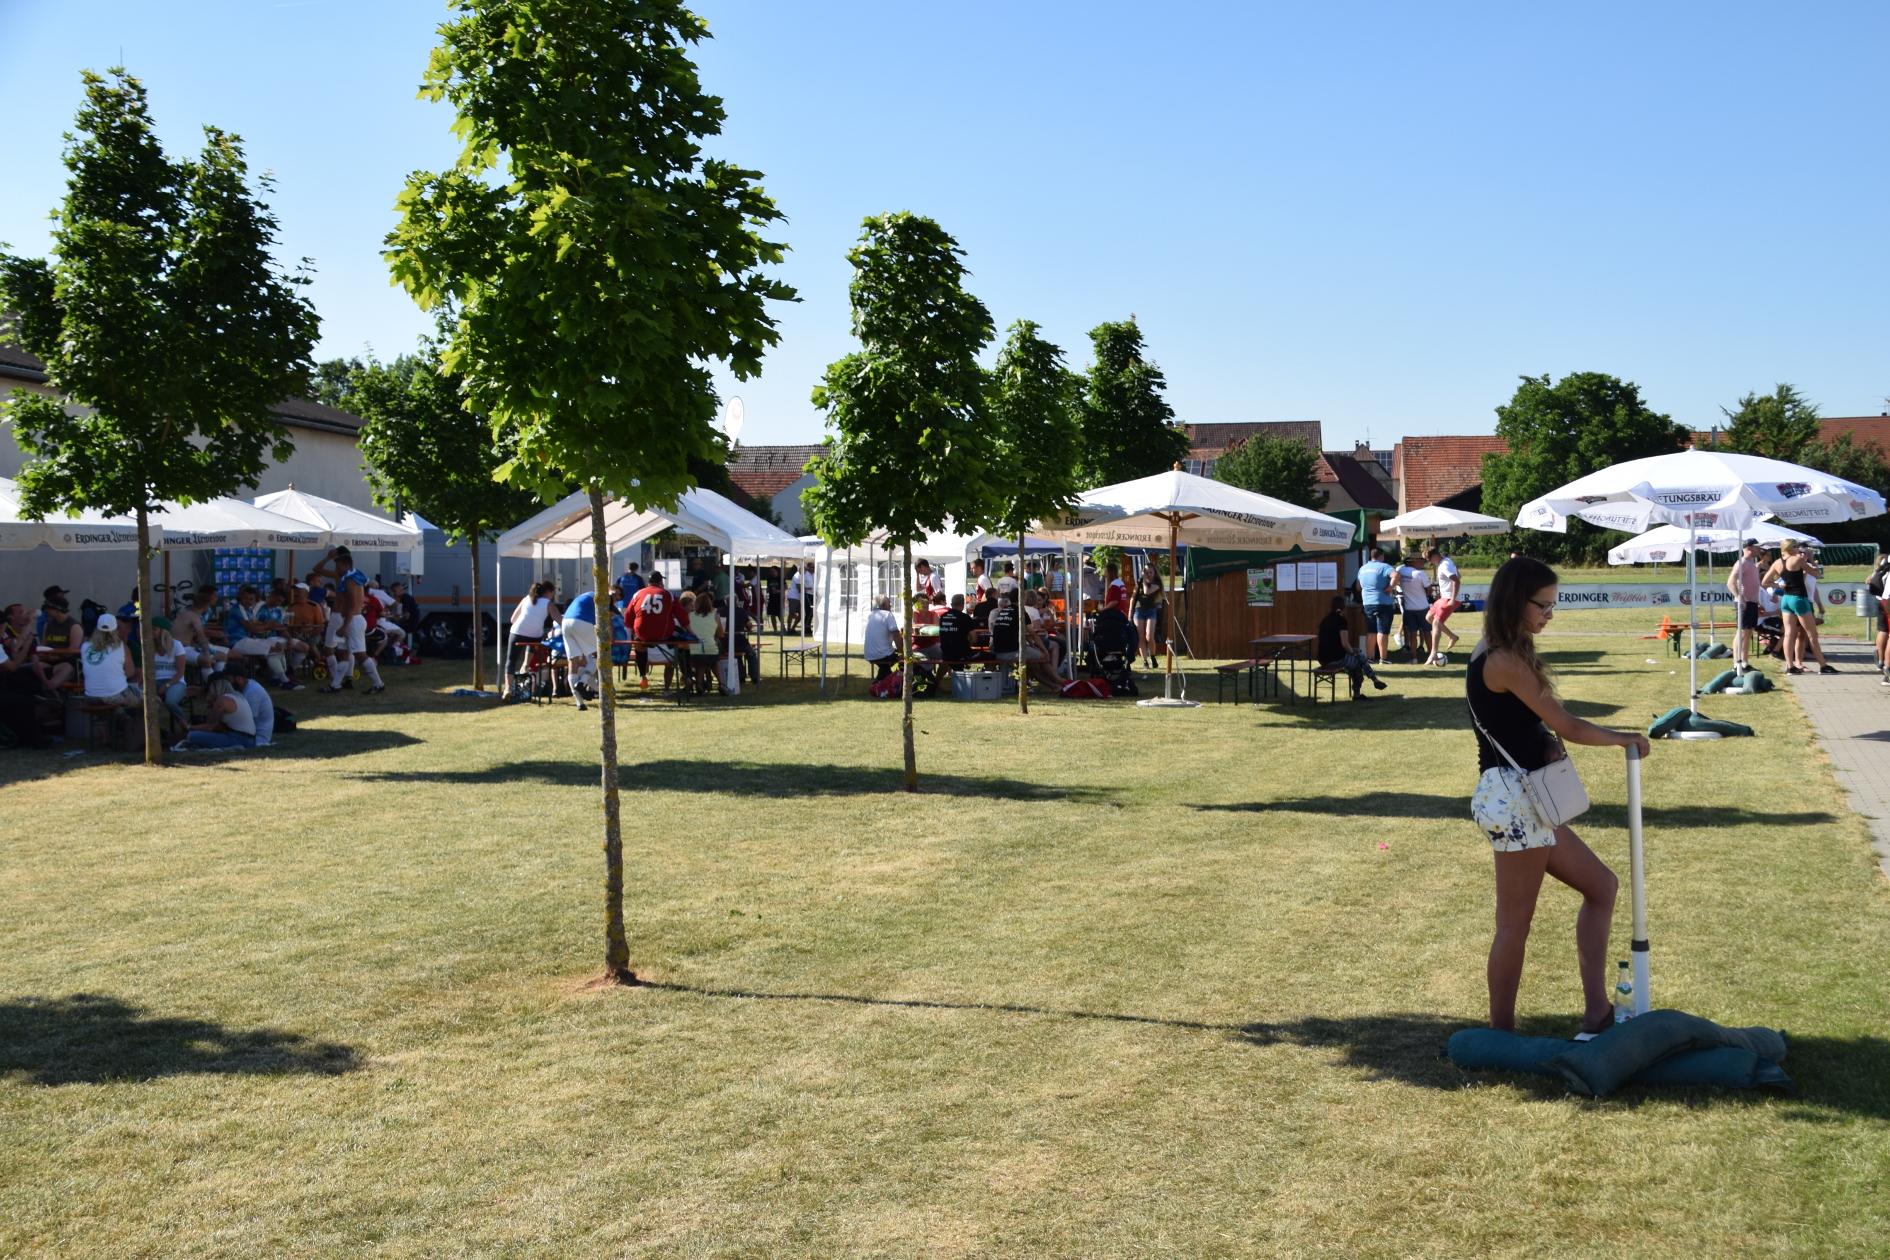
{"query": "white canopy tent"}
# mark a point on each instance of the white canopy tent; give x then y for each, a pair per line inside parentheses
(89, 531)
(945, 550)
(563, 532)
(1696, 490)
(1175, 507)
(1441, 522)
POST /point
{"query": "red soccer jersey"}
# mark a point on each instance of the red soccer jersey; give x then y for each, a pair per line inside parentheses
(653, 614)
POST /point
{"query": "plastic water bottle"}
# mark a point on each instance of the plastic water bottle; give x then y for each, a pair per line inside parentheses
(1623, 993)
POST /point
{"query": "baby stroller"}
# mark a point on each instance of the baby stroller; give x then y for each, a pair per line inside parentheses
(1111, 651)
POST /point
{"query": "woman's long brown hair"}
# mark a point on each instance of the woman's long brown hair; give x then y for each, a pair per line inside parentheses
(1504, 613)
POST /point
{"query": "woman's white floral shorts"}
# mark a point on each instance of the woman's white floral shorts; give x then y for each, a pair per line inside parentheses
(1508, 817)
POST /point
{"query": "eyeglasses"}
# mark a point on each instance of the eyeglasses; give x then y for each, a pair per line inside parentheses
(1548, 610)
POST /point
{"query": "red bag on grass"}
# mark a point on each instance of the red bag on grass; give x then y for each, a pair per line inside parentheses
(887, 688)
(1085, 689)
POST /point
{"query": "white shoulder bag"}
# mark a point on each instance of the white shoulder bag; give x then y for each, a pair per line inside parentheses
(1555, 790)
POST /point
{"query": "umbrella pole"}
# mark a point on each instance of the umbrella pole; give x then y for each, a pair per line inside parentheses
(1168, 640)
(826, 600)
(1693, 622)
(1638, 879)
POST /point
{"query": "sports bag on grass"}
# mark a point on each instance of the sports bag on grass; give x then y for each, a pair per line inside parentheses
(1085, 689)
(1555, 790)
(887, 688)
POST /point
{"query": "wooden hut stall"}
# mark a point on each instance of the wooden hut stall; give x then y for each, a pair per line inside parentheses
(1232, 599)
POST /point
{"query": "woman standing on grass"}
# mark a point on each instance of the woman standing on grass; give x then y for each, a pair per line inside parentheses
(1512, 700)
(1796, 609)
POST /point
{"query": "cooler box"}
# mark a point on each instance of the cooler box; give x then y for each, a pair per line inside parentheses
(980, 685)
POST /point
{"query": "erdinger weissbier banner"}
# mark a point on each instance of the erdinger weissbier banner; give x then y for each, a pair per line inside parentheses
(1837, 596)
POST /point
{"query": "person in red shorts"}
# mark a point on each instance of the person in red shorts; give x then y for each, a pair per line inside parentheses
(1449, 584)
(652, 616)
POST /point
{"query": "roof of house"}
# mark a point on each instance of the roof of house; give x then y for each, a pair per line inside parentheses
(1208, 440)
(762, 472)
(1432, 469)
(1353, 478)
(302, 413)
(1864, 429)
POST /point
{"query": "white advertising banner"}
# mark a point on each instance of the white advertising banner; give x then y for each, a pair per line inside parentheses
(1837, 596)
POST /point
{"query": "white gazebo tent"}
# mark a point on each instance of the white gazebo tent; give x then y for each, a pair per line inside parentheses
(1176, 507)
(563, 532)
(940, 549)
(1441, 522)
(1698, 490)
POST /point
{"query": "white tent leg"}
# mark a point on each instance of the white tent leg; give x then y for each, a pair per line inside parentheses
(498, 616)
(826, 612)
(1638, 881)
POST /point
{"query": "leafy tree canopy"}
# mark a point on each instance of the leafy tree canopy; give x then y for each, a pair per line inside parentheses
(1034, 406)
(162, 315)
(331, 379)
(426, 453)
(1778, 425)
(913, 433)
(598, 260)
(1558, 431)
(1128, 427)
(1281, 467)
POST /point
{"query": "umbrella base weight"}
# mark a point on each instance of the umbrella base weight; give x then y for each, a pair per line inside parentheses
(1162, 702)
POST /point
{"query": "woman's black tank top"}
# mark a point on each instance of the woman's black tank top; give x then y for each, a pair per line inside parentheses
(1795, 582)
(1508, 720)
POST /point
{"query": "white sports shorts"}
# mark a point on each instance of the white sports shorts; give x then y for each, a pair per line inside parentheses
(354, 632)
(580, 638)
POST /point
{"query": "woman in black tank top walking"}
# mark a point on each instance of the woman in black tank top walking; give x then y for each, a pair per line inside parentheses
(1512, 700)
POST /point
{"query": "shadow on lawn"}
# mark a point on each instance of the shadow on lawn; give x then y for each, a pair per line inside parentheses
(1832, 1073)
(751, 778)
(1419, 805)
(1395, 711)
(90, 1039)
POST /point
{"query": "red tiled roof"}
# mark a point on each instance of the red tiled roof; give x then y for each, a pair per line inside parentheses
(1863, 429)
(761, 472)
(1207, 441)
(1432, 469)
(1366, 490)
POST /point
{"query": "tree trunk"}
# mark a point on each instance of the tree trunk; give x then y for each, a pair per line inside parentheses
(478, 626)
(147, 639)
(616, 947)
(1023, 623)
(905, 681)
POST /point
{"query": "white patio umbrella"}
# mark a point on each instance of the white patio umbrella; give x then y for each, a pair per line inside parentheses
(1176, 507)
(89, 531)
(349, 527)
(1669, 542)
(232, 523)
(1698, 490)
(1436, 521)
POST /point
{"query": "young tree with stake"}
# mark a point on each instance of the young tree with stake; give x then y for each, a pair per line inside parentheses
(427, 454)
(910, 451)
(598, 262)
(1033, 405)
(163, 322)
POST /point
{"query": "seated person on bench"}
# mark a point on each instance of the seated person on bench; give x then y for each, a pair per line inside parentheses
(954, 637)
(1005, 623)
(1335, 648)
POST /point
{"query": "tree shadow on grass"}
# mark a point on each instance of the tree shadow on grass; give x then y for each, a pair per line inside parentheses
(752, 778)
(1833, 1074)
(1393, 710)
(303, 744)
(87, 1038)
(1388, 804)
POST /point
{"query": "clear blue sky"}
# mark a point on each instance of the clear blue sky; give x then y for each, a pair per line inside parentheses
(1372, 215)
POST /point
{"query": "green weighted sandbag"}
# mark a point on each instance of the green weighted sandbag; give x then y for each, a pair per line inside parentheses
(1719, 683)
(1753, 684)
(1668, 722)
(1699, 723)
(1717, 651)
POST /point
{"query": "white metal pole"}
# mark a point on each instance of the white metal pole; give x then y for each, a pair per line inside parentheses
(1638, 880)
(1712, 622)
(826, 599)
(498, 617)
(1693, 622)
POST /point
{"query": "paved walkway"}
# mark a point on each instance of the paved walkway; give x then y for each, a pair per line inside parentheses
(1851, 713)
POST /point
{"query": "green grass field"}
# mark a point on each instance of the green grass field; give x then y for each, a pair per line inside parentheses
(1119, 982)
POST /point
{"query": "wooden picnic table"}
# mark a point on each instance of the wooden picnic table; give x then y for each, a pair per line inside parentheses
(1290, 648)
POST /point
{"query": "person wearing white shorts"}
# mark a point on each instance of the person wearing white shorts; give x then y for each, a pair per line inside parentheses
(579, 628)
(347, 625)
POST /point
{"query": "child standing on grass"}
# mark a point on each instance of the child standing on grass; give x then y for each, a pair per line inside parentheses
(1512, 699)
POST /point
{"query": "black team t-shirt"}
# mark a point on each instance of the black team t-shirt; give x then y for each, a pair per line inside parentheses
(1004, 628)
(954, 635)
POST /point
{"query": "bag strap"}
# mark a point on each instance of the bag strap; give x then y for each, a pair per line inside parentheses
(1470, 704)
